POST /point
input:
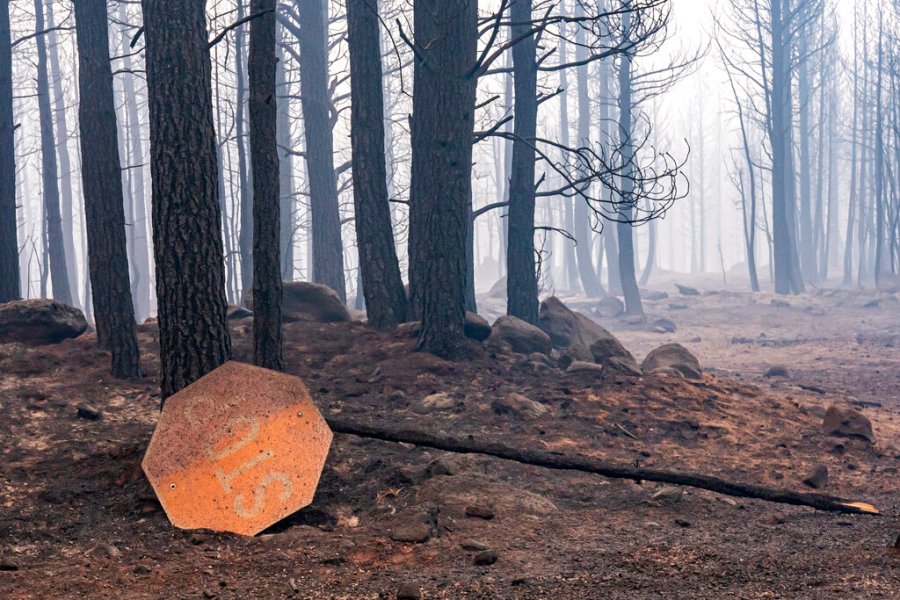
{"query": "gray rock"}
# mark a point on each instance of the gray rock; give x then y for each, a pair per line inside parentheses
(817, 478)
(476, 327)
(88, 412)
(412, 533)
(439, 401)
(685, 290)
(673, 356)
(583, 367)
(569, 328)
(486, 558)
(520, 406)
(39, 322)
(310, 302)
(609, 307)
(409, 591)
(844, 421)
(520, 336)
(777, 371)
(473, 545)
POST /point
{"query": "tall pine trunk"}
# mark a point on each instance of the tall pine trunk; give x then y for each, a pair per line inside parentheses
(327, 250)
(101, 176)
(263, 111)
(382, 284)
(245, 178)
(55, 241)
(187, 239)
(521, 283)
(9, 246)
(285, 161)
(441, 179)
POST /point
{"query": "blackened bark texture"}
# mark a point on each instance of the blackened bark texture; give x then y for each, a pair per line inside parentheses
(804, 101)
(56, 250)
(101, 176)
(9, 247)
(521, 283)
(267, 333)
(245, 187)
(187, 238)
(441, 186)
(327, 250)
(633, 304)
(285, 162)
(382, 284)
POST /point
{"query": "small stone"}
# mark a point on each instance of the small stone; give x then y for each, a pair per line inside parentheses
(209, 594)
(818, 478)
(685, 290)
(777, 371)
(683, 523)
(669, 493)
(113, 551)
(8, 564)
(519, 405)
(415, 533)
(479, 511)
(142, 570)
(781, 303)
(439, 401)
(473, 545)
(486, 558)
(408, 591)
(847, 422)
(88, 412)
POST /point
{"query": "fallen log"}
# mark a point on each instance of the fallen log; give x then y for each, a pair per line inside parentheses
(554, 460)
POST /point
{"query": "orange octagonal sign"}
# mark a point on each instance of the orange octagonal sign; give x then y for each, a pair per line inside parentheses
(237, 450)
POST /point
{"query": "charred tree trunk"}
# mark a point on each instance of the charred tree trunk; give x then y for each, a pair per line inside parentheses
(327, 251)
(590, 279)
(263, 111)
(101, 176)
(633, 304)
(245, 187)
(9, 246)
(139, 244)
(55, 242)
(66, 206)
(521, 283)
(187, 238)
(285, 162)
(382, 284)
(441, 183)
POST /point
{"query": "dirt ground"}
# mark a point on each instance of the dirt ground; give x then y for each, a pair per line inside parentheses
(79, 520)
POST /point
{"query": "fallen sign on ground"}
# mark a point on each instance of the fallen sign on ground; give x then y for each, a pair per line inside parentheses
(238, 450)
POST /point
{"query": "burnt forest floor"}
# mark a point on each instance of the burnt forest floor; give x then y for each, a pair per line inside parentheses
(77, 518)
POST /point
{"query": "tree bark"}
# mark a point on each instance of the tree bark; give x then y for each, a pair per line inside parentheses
(633, 304)
(382, 284)
(101, 176)
(56, 250)
(285, 163)
(327, 250)
(552, 460)
(9, 246)
(441, 178)
(190, 278)
(263, 111)
(62, 154)
(590, 279)
(138, 240)
(521, 283)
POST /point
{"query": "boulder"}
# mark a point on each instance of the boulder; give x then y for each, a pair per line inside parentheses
(310, 303)
(610, 307)
(663, 326)
(520, 336)
(568, 328)
(39, 322)
(672, 357)
(623, 365)
(572, 354)
(232, 313)
(654, 296)
(687, 290)
(583, 367)
(498, 290)
(817, 478)
(477, 327)
(844, 421)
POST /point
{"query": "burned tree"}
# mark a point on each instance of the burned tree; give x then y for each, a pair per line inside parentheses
(190, 278)
(267, 332)
(9, 249)
(381, 281)
(101, 175)
(440, 191)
